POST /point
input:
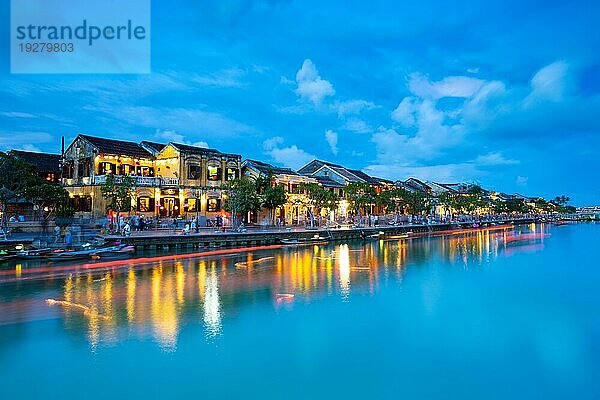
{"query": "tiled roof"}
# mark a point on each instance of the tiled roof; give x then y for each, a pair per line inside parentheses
(441, 187)
(314, 165)
(43, 162)
(119, 147)
(349, 176)
(264, 168)
(153, 145)
(365, 177)
(383, 180)
(186, 148)
(416, 184)
(328, 182)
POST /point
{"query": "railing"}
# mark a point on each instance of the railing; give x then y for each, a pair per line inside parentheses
(142, 180)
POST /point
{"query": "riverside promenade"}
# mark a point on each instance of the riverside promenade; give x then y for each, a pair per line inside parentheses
(206, 240)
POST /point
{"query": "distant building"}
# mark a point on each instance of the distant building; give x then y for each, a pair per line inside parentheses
(47, 165)
(297, 208)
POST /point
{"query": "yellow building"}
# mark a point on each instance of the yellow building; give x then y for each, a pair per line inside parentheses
(170, 180)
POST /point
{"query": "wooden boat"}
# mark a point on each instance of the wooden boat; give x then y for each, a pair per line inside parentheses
(113, 253)
(316, 239)
(71, 255)
(7, 257)
(33, 254)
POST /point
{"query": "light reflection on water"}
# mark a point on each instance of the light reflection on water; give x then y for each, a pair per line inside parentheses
(156, 300)
(467, 315)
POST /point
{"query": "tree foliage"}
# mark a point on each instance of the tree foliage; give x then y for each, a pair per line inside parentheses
(359, 195)
(273, 197)
(417, 203)
(118, 191)
(19, 180)
(49, 200)
(241, 197)
(320, 197)
(393, 200)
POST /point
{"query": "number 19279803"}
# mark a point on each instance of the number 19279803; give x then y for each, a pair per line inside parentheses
(46, 47)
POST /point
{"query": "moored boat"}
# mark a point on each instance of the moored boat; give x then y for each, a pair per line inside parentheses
(71, 255)
(33, 254)
(114, 253)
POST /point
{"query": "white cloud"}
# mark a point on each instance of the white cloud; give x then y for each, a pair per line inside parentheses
(357, 125)
(225, 78)
(494, 158)
(353, 107)
(311, 86)
(290, 156)
(459, 172)
(23, 140)
(189, 122)
(433, 135)
(548, 84)
(451, 86)
(17, 114)
(28, 147)
(522, 180)
(332, 140)
(272, 143)
(172, 136)
(405, 112)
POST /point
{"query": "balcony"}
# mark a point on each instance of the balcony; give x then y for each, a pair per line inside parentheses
(143, 180)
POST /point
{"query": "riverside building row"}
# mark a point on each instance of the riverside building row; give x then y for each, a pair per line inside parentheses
(179, 180)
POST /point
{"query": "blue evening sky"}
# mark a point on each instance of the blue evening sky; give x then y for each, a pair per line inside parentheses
(503, 93)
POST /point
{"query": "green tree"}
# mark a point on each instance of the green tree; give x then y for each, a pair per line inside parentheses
(320, 198)
(560, 203)
(561, 200)
(417, 203)
(509, 206)
(393, 200)
(451, 202)
(541, 205)
(16, 176)
(359, 195)
(273, 197)
(49, 200)
(474, 198)
(241, 196)
(118, 191)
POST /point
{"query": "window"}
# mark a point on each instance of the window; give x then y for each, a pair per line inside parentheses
(106, 168)
(68, 170)
(83, 167)
(231, 174)
(214, 173)
(127, 169)
(144, 171)
(194, 171)
(51, 178)
(81, 203)
(145, 204)
(213, 205)
(190, 205)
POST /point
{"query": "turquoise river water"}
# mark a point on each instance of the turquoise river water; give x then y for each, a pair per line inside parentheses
(466, 315)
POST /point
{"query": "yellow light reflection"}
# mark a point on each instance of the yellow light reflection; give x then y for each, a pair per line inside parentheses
(212, 307)
(344, 270)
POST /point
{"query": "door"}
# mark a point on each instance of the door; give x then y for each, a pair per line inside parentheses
(169, 206)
